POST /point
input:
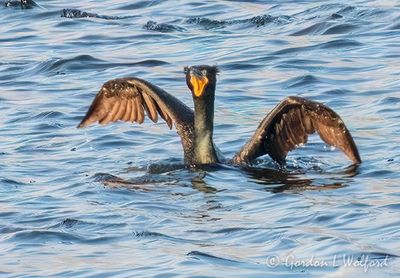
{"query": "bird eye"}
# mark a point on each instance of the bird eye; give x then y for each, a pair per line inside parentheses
(204, 72)
(186, 70)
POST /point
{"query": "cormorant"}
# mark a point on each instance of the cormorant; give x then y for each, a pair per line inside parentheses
(282, 130)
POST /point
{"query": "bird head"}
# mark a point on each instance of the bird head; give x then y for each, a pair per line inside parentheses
(201, 79)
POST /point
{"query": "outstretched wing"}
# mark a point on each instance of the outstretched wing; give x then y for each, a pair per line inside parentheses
(128, 99)
(288, 126)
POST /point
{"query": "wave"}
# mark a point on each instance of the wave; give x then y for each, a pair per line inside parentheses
(75, 13)
(44, 236)
(212, 258)
(338, 19)
(162, 27)
(302, 81)
(85, 62)
(258, 21)
(23, 4)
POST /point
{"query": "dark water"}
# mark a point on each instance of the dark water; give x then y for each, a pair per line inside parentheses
(65, 206)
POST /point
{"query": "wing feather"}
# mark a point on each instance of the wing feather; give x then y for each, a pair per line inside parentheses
(150, 107)
(164, 115)
(139, 110)
(132, 104)
(128, 111)
(121, 110)
(110, 115)
(127, 99)
(288, 125)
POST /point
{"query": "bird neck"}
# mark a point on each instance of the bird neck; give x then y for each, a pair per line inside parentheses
(204, 151)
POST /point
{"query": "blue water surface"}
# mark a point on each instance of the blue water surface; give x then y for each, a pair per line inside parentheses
(116, 201)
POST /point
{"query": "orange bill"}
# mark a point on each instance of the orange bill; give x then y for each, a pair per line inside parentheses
(198, 84)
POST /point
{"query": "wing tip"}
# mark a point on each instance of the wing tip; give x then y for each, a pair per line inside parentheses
(83, 124)
(356, 159)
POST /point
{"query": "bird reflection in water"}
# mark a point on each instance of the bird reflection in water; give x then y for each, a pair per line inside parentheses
(279, 181)
(276, 180)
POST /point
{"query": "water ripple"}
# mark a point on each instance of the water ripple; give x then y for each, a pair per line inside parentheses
(85, 63)
(256, 21)
(23, 4)
(302, 81)
(213, 258)
(75, 13)
(340, 43)
(117, 200)
(162, 27)
(340, 29)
